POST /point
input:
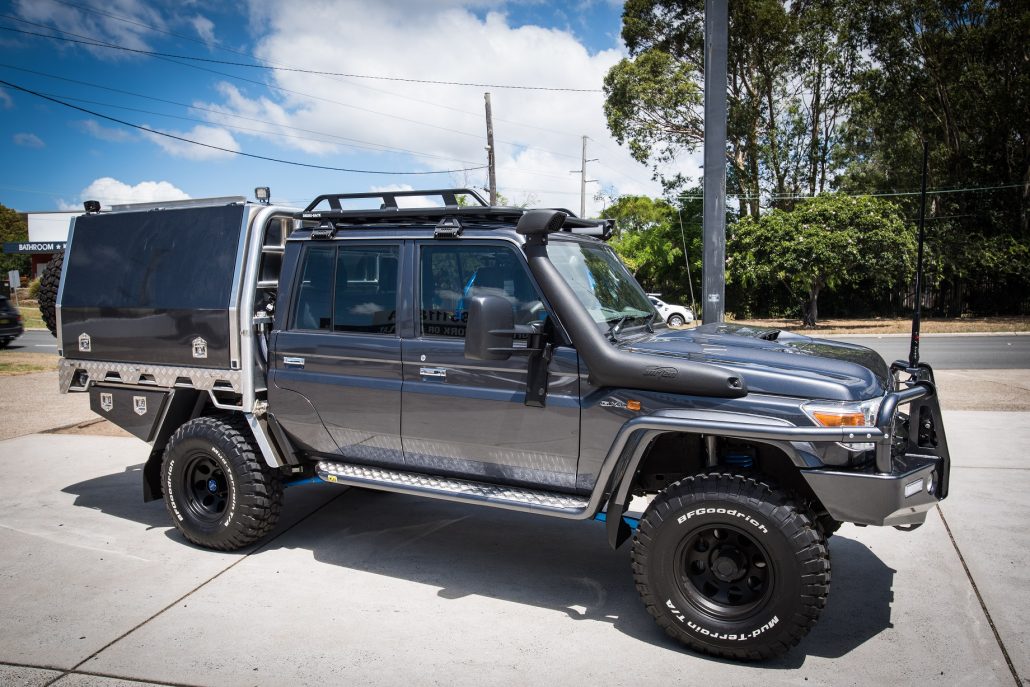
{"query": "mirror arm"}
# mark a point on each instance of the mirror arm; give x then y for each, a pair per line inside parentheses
(538, 373)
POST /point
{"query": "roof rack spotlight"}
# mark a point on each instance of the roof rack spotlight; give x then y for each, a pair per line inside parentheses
(92, 207)
(263, 194)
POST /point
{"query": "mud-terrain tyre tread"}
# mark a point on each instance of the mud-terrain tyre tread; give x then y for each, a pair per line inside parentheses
(49, 284)
(805, 540)
(259, 489)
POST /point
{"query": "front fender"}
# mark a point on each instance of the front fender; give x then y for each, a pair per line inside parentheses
(632, 441)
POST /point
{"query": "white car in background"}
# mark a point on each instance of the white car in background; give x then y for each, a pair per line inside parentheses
(674, 315)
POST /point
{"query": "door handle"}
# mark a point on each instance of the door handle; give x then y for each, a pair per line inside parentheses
(438, 372)
(291, 361)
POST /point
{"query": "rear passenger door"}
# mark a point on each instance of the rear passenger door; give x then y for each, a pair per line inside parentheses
(468, 417)
(338, 360)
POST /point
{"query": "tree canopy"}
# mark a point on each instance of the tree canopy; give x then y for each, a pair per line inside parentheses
(840, 95)
(830, 241)
(13, 228)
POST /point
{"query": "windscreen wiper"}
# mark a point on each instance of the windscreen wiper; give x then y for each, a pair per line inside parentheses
(649, 322)
(614, 330)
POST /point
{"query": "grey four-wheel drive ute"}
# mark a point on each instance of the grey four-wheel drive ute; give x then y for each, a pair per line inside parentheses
(498, 357)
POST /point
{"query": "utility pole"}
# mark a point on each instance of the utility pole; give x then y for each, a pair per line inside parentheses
(583, 181)
(714, 261)
(491, 160)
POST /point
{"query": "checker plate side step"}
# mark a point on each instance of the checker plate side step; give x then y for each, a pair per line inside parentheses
(481, 493)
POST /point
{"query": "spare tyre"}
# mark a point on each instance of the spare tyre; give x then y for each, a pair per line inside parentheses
(49, 283)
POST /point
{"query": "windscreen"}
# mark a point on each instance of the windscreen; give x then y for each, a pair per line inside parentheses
(601, 283)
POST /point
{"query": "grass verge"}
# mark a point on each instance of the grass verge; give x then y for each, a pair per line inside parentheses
(31, 319)
(19, 363)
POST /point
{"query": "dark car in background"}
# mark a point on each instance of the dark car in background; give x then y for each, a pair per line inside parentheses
(10, 322)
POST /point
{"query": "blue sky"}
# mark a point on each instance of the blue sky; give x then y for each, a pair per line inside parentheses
(55, 156)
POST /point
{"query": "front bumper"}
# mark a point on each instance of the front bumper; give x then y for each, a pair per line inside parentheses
(912, 469)
(900, 498)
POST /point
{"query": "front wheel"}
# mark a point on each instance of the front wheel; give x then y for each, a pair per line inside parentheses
(676, 321)
(218, 490)
(730, 567)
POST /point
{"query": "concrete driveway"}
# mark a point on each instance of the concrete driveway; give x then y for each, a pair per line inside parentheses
(360, 587)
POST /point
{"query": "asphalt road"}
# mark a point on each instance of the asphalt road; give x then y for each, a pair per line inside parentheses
(948, 352)
(943, 352)
(35, 341)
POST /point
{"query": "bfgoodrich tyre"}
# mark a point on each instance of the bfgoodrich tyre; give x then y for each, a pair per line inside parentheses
(730, 567)
(218, 490)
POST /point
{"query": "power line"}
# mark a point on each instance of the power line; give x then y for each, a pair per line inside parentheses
(286, 66)
(299, 70)
(370, 144)
(372, 147)
(163, 56)
(229, 150)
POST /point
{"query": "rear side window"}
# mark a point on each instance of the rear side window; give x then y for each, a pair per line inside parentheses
(452, 273)
(348, 288)
(314, 301)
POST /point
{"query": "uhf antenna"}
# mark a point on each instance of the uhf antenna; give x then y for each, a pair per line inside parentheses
(913, 353)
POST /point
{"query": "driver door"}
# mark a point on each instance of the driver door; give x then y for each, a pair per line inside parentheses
(468, 417)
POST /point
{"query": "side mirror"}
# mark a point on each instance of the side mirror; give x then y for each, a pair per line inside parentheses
(490, 330)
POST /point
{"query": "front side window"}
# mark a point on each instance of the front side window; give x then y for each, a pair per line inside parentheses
(452, 273)
(348, 288)
(601, 283)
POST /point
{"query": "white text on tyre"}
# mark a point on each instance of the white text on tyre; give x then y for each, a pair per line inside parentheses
(731, 512)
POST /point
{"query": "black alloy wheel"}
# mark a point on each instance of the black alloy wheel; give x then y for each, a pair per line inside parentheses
(725, 572)
(205, 487)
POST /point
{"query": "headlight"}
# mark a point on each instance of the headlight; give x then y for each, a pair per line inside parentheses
(844, 414)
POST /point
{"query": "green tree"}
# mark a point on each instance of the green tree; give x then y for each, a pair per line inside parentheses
(13, 227)
(650, 241)
(789, 88)
(953, 74)
(827, 242)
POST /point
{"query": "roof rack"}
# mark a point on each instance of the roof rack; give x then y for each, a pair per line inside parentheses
(388, 199)
(390, 213)
(332, 220)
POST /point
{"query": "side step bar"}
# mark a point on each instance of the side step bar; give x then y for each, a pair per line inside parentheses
(451, 489)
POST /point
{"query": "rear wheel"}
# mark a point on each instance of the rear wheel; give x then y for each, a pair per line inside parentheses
(730, 567)
(49, 283)
(218, 490)
(676, 321)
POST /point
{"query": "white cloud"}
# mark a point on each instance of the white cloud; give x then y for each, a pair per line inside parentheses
(207, 135)
(27, 140)
(204, 28)
(98, 25)
(110, 192)
(537, 133)
(104, 133)
(5, 100)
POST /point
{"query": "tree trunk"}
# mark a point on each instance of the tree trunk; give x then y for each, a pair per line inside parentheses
(811, 314)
